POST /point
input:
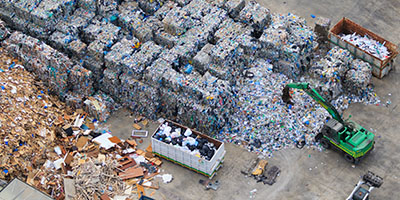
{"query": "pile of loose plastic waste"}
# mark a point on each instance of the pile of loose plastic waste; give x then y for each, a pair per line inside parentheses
(368, 44)
(186, 140)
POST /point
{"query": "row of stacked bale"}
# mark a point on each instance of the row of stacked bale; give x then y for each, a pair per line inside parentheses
(178, 59)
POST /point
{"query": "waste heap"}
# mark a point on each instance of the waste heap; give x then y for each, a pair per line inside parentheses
(52, 147)
(187, 60)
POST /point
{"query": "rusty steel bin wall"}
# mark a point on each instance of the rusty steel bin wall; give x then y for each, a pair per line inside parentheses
(380, 68)
(186, 159)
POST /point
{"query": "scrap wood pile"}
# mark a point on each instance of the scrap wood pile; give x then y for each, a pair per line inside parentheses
(45, 143)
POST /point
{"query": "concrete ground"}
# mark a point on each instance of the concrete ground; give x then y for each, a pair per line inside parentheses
(307, 173)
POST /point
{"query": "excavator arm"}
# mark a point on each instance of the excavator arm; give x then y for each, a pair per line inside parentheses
(315, 95)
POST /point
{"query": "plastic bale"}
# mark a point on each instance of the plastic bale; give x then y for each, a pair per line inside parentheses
(104, 7)
(76, 22)
(229, 29)
(89, 5)
(140, 97)
(97, 107)
(182, 2)
(4, 31)
(77, 48)
(48, 12)
(80, 80)
(256, 16)
(149, 6)
(138, 62)
(60, 40)
(198, 8)
(23, 8)
(153, 74)
(111, 84)
(74, 100)
(122, 49)
(203, 58)
(177, 21)
(234, 7)
(129, 16)
(165, 39)
(164, 9)
(358, 78)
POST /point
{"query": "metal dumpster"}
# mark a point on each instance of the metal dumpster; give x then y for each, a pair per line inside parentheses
(185, 159)
(380, 68)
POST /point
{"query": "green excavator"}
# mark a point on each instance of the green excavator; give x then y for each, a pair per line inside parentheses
(349, 137)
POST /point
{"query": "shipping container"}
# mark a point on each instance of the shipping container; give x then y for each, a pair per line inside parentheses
(380, 67)
(185, 159)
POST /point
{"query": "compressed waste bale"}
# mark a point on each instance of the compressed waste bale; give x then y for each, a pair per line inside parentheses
(76, 48)
(4, 31)
(81, 80)
(153, 74)
(47, 63)
(99, 106)
(138, 62)
(150, 7)
(49, 12)
(60, 40)
(95, 50)
(104, 7)
(223, 50)
(182, 2)
(234, 7)
(165, 39)
(23, 8)
(120, 51)
(177, 21)
(76, 22)
(321, 28)
(203, 58)
(111, 84)
(254, 15)
(198, 9)
(139, 97)
(358, 77)
(90, 5)
(229, 29)
(164, 9)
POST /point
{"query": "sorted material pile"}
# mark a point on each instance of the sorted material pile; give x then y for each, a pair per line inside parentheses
(217, 66)
(43, 141)
(367, 44)
(96, 177)
(186, 141)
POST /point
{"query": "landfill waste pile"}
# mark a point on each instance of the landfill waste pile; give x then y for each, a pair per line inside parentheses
(185, 140)
(217, 66)
(52, 146)
(367, 44)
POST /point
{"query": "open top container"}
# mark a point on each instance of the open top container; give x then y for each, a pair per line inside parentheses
(185, 159)
(380, 68)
